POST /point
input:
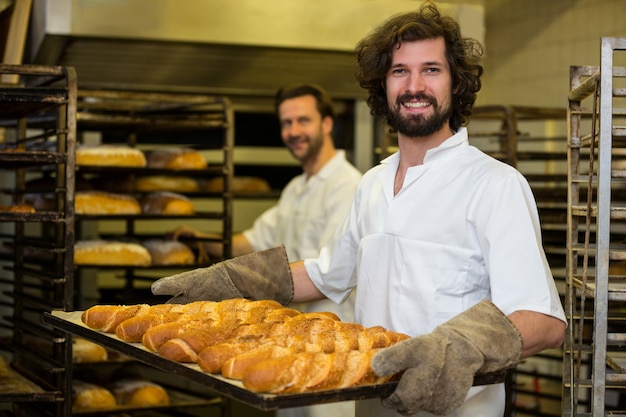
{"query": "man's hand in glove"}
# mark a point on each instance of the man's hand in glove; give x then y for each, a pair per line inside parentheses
(263, 275)
(439, 367)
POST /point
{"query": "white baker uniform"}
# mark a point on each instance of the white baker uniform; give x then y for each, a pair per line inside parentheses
(463, 228)
(306, 216)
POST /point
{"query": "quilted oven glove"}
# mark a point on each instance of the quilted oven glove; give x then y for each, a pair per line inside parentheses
(263, 275)
(439, 367)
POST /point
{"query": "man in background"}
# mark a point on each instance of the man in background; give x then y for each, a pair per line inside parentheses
(311, 207)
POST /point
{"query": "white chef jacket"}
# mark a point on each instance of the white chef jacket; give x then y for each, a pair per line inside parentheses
(464, 227)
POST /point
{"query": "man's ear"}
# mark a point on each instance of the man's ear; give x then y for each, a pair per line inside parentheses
(327, 124)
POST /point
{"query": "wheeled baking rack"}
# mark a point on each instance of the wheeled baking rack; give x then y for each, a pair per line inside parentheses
(39, 119)
(38, 123)
(148, 121)
(595, 355)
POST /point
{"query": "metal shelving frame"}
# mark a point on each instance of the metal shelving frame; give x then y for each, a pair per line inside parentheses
(38, 113)
(594, 359)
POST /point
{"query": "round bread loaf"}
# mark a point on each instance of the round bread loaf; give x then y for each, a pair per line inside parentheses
(86, 351)
(139, 393)
(176, 158)
(169, 252)
(171, 183)
(90, 396)
(167, 203)
(239, 184)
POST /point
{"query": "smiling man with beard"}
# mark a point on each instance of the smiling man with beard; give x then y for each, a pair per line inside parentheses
(443, 242)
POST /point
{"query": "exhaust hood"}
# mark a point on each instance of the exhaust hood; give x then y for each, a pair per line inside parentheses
(243, 48)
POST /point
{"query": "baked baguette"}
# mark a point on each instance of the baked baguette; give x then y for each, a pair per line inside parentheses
(100, 202)
(176, 158)
(183, 344)
(231, 360)
(101, 252)
(169, 252)
(110, 155)
(308, 371)
(166, 203)
(130, 323)
(106, 318)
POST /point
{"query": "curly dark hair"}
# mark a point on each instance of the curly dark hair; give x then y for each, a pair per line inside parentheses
(374, 59)
(323, 99)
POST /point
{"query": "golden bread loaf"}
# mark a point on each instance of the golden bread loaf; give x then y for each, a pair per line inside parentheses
(238, 184)
(269, 347)
(101, 252)
(99, 202)
(166, 203)
(88, 396)
(139, 393)
(86, 351)
(110, 155)
(169, 252)
(311, 371)
(176, 158)
(18, 208)
(173, 183)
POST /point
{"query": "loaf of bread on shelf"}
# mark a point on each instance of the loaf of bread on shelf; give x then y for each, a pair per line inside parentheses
(17, 208)
(166, 203)
(173, 183)
(176, 158)
(103, 252)
(86, 351)
(110, 155)
(42, 192)
(169, 252)
(238, 184)
(88, 396)
(139, 392)
(99, 202)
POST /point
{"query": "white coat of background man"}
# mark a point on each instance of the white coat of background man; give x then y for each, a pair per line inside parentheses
(311, 207)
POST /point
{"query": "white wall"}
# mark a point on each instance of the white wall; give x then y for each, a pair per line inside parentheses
(532, 43)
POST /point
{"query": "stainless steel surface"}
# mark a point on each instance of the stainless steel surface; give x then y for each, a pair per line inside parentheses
(217, 47)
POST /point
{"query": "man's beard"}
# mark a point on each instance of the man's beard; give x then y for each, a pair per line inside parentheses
(314, 146)
(418, 125)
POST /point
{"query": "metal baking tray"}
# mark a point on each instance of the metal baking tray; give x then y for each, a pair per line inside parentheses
(70, 322)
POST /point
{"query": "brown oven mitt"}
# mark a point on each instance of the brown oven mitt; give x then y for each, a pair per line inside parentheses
(263, 275)
(439, 367)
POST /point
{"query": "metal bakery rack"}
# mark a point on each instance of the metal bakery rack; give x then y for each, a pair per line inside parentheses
(595, 348)
(38, 125)
(39, 133)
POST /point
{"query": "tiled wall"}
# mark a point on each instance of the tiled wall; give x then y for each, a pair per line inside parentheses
(530, 45)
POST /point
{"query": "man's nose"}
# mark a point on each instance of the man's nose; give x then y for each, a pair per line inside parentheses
(415, 83)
